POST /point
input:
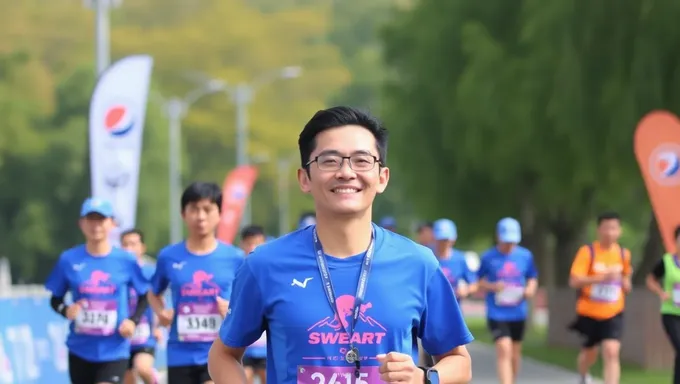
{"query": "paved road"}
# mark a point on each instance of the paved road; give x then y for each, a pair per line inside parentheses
(533, 372)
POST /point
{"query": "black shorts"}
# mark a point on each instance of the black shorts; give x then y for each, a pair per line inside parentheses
(150, 350)
(254, 363)
(82, 371)
(595, 331)
(512, 329)
(188, 374)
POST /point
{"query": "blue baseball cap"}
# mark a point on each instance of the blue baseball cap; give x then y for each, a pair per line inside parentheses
(306, 222)
(95, 205)
(444, 229)
(509, 231)
(388, 222)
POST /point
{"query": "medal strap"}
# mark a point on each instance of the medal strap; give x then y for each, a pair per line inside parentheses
(361, 284)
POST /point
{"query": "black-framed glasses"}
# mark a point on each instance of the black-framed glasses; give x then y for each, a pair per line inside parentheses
(359, 162)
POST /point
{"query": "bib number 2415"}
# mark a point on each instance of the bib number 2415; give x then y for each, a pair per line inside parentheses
(337, 375)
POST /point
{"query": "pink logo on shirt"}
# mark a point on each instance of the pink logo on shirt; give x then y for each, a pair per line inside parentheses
(201, 285)
(98, 284)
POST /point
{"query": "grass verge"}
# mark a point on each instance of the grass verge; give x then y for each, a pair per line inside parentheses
(535, 347)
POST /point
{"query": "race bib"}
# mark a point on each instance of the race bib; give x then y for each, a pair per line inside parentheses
(511, 295)
(262, 341)
(198, 322)
(337, 375)
(676, 294)
(97, 318)
(607, 292)
(142, 332)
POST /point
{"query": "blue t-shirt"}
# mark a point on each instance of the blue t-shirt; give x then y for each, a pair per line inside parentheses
(258, 350)
(279, 290)
(143, 337)
(456, 269)
(101, 285)
(195, 281)
(513, 270)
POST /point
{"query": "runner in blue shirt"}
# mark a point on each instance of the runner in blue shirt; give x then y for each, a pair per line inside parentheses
(425, 235)
(340, 301)
(255, 357)
(306, 220)
(98, 277)
(388, 223)
(451, 260)
(508, 274)
(199, 273)
(147, 333)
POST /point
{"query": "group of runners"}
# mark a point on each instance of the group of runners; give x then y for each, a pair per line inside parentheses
(339, 300)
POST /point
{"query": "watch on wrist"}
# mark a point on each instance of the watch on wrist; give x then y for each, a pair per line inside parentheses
(431, 376)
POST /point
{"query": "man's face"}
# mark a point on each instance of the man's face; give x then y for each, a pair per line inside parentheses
(425, 236)
(132, 243)
(609, 231)
(251, 242)
(96, 227)
(344, 191)
(201, 217)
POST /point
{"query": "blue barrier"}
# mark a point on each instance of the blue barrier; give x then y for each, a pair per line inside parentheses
(33, 343)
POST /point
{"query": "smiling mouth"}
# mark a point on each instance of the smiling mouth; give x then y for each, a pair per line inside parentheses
(345, 190)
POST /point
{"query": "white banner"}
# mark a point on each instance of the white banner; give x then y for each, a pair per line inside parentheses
(117, 112)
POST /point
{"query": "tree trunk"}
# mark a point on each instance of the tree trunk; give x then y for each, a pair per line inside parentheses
(651, 252)
(568, 238)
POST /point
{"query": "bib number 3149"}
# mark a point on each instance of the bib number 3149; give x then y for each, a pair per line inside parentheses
(337, 375)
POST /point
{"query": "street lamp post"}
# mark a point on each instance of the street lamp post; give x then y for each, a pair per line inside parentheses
(102, 10)
(242, 96)
(175, 109)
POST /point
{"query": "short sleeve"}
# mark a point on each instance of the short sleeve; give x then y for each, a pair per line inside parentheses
(244, 323)
(442, 327)
(469, 276)
(532, 272)
(225, 291)
(581, 265)
(659, 270)
(57, 282)
(138, 279)
(483, 270)
(159, 281)
(627, 265)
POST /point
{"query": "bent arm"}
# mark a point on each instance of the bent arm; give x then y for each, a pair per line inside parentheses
(156, 302)
(455, 366)
(57, 303)
(224, 364)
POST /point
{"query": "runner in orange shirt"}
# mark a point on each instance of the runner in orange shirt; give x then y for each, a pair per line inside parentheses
(601, 272)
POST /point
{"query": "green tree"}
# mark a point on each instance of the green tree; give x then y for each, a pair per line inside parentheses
(527, 108)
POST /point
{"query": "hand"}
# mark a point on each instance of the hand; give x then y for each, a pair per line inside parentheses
(664, 296)
(626, 286)
(73, 310)
(222, 306)
(613, 275)
(165, 317)
(498, 286)
(529, 293)
(157, 334)
(398, 367)
(127, 328)
(462, 292)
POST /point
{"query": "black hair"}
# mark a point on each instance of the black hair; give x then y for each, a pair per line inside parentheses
(676, 233)
(422, 226)
(337, 117)
(133, 231)
(608, 216)
(199, 190)
(251, 230)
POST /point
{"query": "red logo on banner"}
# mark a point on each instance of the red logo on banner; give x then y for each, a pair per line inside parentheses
(235, 193)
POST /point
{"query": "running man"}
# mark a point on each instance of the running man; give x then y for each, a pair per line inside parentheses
(98, 277)
(389, 223)
(199, 272)
(306, 220)
(147, 332)
(255, 357)
(341, 300)
(508, 275)
(601, 273)
(451, 260)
